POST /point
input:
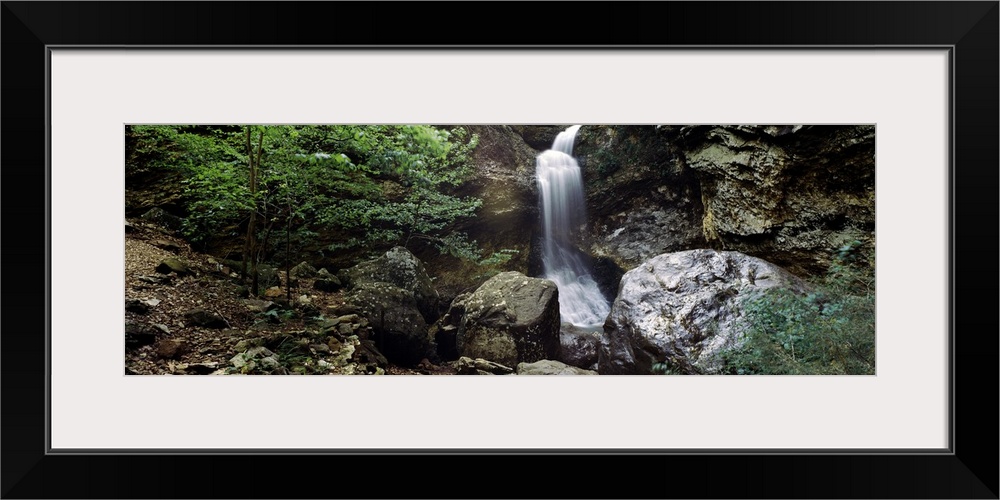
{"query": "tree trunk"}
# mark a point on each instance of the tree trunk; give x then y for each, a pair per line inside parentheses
(253, 215)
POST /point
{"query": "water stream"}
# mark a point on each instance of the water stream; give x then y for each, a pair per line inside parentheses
(560, 186)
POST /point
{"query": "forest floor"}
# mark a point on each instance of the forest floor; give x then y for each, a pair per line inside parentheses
(196, 322)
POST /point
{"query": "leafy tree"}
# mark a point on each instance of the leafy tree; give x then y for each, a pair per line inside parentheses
(377, 185)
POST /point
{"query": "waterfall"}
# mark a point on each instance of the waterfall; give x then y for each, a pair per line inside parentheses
(560, 187)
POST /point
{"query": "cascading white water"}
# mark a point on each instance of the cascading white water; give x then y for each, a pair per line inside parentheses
(560, 186)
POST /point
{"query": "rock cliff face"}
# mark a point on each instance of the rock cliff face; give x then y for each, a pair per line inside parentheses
(788, 194)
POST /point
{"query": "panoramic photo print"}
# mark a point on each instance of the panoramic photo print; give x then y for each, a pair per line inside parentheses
(499, 250)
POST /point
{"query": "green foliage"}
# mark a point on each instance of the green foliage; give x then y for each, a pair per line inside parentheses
(830, 330)
(370, 185)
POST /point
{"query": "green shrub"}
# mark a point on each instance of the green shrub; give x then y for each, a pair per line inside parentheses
(830, 330)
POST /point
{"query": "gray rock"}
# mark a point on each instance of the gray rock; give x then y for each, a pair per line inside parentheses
(167, 245)
(550, 367)
(259, 306)
(173, 265)
(201, 317)
(398, 327)
(171, 348)
(511, 319)
(245, 344)
(138, 335)
(303, 270)
(400, 269)
(259, 352)
(240, 360)
(196, 368)
(269, 363)
(155, 279)
(683, 308)
(579, 347)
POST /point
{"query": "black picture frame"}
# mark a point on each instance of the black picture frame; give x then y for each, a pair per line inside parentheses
(969, 470)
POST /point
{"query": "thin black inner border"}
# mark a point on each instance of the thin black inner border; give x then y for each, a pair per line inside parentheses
(949, 450)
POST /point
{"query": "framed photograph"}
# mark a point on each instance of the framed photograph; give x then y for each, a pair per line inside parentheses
(909, 89)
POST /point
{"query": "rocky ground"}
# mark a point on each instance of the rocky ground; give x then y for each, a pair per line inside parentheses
(186, 313)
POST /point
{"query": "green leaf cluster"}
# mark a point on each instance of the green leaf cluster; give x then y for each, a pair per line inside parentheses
(369, 185)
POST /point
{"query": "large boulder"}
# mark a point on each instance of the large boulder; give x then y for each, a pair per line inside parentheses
(683, 308)
(511, 319)
(398, 327)
(400, 269)
(789, 193)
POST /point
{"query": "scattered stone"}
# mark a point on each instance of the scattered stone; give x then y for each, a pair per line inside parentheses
(196, 368)
(137, 306)
(240, 360)
(245, 344)
(129, 227)
(201, 317)
(138, 335)
(274, 292)
(167, 245)
(348, 318)
(479, 366)
(156, 279)
(334, 344)
(171, 348)
(259, 352)
(511, 319)
(320, 348)
(175, 265)
(550, 367)
(309, 310)
(269, 363)
(163, 328)
(259, 306)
